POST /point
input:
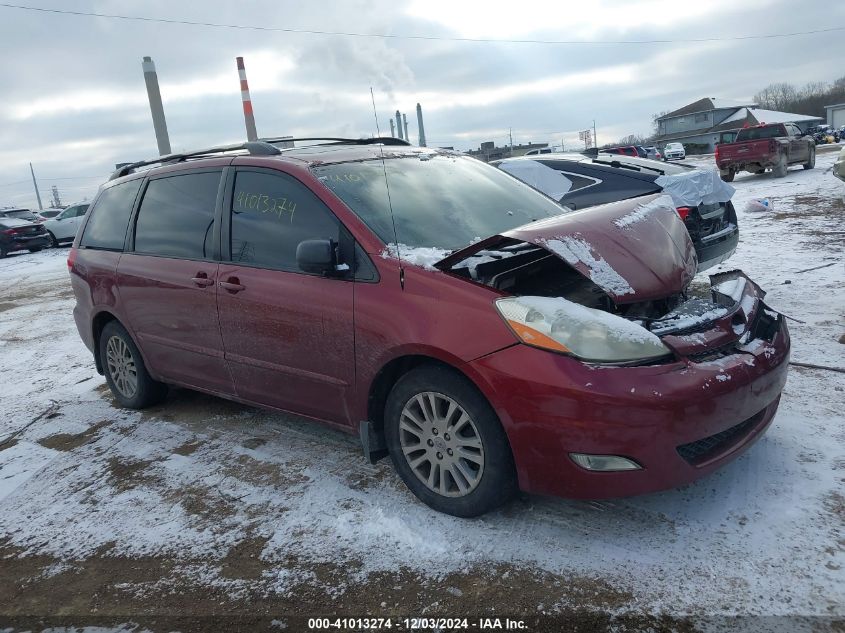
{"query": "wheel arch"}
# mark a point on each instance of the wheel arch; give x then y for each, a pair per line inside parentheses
(394, 369)
(100, 320)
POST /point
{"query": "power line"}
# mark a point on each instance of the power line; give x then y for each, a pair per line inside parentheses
(389, 36)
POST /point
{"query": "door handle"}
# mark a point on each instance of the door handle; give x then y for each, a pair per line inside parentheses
(232, 284)
(202, 280)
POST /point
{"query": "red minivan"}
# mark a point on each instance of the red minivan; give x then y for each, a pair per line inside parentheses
(484, 337)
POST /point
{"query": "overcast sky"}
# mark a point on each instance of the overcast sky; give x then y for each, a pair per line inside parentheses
(74, 101)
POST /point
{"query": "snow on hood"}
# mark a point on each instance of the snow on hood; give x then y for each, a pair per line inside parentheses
(576, 250)
(696, 187)
(634, 250)
(542, 177)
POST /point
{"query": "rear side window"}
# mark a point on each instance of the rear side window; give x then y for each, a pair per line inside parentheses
(271, 215)
(106, 228)
(176, 216)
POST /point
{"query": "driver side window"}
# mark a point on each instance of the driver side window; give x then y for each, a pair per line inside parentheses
(273, 213)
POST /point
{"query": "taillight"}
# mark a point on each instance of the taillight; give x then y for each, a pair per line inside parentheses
(71, 259)
(717, 153)
(683, 212)
(10, 232)
(773, 146)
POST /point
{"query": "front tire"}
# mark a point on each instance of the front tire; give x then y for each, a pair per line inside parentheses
(447, 443)
(811, 161)
(126, 374)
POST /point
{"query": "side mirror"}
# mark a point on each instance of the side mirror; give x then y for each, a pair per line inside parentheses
(316, 256)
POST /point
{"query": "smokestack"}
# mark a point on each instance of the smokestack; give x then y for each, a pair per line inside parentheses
(405, 120)
(420, 127)
(399, 124)
(157, 110)
(249, 118)
(392, 128)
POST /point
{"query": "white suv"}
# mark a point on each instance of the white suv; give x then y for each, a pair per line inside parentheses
(674, 151)
(63, 227)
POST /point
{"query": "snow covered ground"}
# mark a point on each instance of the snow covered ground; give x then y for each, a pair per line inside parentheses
(204, 506)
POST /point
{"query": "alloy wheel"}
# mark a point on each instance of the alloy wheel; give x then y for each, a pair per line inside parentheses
(441, 444)
(121, 365)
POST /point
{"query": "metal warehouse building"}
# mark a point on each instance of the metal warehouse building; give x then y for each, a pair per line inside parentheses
(836, 114)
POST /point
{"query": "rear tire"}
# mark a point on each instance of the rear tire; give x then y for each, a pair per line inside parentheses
(728, 176)
(779, 170)
(54, 243)
(811, 161)
(447, 443)
(126, 374)
(3, 252)
(34, 250)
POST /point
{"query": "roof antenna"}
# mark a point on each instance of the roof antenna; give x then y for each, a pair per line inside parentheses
(389, 203)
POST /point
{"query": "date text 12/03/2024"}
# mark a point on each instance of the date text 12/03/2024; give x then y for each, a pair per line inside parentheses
(414, 624)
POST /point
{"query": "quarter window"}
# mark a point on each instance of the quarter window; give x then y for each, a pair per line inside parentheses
(106, 228)
(271, 215)
(177, 215)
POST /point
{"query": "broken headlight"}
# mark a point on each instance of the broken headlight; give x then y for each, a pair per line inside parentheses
(556, 324)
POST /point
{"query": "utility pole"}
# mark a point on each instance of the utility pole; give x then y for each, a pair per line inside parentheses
(35, 184)
(510, 134)
(595, 138)
(157, 110)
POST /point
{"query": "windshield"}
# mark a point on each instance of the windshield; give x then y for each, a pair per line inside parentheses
(441, 201)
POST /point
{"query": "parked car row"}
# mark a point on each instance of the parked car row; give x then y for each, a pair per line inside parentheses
(288, 278)
(59, 226)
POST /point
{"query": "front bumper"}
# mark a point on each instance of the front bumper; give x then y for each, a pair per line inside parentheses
(680, 421)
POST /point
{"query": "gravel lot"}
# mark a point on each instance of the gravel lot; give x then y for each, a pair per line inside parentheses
(201, 510)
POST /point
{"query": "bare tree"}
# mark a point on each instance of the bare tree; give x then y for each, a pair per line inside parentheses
(656, 123)
(776, 96)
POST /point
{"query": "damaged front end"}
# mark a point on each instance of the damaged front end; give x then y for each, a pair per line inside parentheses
(611, 285)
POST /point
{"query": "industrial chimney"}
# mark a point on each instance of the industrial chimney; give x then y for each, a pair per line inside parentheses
(156, 108)
(399, 124)
(249, 118)
(420, 125)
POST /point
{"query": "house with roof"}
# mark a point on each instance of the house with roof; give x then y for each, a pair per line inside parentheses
(704, 123)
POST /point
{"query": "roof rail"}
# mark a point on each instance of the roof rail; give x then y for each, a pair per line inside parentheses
(384, 140)
(255, 148)
(261, 147)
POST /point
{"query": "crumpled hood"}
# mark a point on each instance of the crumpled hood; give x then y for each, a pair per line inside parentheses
(635, 250)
